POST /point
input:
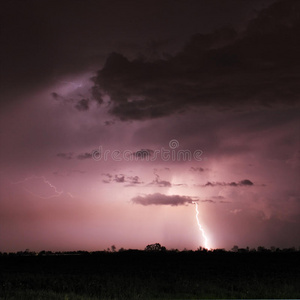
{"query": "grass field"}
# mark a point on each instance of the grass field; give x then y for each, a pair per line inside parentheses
(151, 275)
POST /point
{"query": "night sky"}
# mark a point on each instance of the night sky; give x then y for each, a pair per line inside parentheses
(119, 118)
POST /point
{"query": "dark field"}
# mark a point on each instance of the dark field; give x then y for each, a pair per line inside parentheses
(151, 275)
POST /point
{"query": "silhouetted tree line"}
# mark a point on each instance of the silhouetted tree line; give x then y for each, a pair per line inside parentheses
(154, 248)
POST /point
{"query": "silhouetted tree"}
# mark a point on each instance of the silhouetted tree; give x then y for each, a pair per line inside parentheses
(242, 250)
(219, 250)
(235, 248)
(174, 250)
(155, 247)
(262, 249)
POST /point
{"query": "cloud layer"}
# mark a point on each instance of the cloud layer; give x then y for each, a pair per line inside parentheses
(222, 69)
(161, 199)
(245, 182)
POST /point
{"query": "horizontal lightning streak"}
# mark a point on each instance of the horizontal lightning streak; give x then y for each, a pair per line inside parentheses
(46, 181)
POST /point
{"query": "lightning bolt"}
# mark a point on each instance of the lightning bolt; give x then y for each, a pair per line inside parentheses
(201, 229)
(57, 193)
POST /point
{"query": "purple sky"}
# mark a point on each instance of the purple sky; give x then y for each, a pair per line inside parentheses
(118, 116)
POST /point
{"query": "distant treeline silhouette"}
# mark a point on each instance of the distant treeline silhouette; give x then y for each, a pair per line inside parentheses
(154, 248)
(152, 273)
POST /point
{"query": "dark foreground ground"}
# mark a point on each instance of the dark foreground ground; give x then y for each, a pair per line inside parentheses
(151, 275)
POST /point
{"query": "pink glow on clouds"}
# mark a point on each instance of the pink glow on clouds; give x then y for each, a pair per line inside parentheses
(55, 196)
(101, 214)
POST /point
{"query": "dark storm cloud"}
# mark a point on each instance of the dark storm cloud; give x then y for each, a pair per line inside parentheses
(56, 96)
(220, 198)
(133, 180)
(160, 199)
(109, 123)
(82, 105)
(121, 178)
(208, 201)
(245, 182)
(108, 178)
(257, 67)
(41, 41)
(225, 202)
(160, 183)
(61, 98)
(68, 155)
(85, 155)
(197, 169)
